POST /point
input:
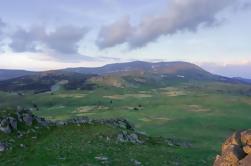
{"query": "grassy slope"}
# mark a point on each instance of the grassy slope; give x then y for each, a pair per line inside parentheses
(205, 115)
(80, 145)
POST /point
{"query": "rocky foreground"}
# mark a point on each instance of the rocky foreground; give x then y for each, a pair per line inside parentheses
(236, 151)
(23, 122)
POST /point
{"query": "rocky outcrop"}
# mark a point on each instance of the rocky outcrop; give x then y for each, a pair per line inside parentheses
(124, 136)
(5, 126)
(117, 123)
(16, 122)
(236, 151)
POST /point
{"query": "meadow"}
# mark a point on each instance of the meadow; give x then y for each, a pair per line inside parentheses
(200, 114)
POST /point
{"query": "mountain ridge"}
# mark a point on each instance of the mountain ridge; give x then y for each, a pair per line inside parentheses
(129, 74)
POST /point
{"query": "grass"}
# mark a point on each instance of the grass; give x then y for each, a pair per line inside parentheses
(201, 113)
(81, 145)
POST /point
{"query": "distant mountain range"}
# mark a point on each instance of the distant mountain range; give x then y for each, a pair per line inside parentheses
(131, 74)
(6, 74)
(242, 79)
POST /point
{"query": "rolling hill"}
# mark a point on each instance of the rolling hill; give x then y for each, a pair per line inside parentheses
(130, 74)
(6, 74)
(47, 81)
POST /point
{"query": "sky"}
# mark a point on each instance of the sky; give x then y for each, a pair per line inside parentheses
(53, 34)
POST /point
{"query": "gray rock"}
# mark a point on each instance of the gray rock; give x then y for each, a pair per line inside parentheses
(136, 162)
(28, 119)
(121, 138)
(22, 146)
(4, 122)
(19, 117)
(5, 126)
(13, 123)
(2, 147)
(61, 123)
(6, 129)
(125, 137)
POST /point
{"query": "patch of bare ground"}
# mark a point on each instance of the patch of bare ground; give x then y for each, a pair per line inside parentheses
(87, 109)
(155, 119)
(197, 108)
(120, 97)
(72, 95)
(171, 91)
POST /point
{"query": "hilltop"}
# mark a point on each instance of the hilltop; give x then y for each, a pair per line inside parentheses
(131, 74)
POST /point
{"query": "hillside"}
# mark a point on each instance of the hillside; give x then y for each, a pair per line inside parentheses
(47, 81)
(131, 74)
(138, 66)
(183, 114)
(6, 74)
(26, 139)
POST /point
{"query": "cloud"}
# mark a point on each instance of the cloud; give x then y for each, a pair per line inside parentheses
(64, 39)
(2, 26)
(246, 6)
(114, 34)
(27, 40)
(179, 15)
(60, 42)
(2, 34)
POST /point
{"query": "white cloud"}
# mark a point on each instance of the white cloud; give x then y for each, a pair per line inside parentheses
(62, 42)
(179, 15)
(114, 34)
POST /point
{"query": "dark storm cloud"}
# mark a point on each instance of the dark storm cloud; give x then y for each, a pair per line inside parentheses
(180, 15)
(62, 40)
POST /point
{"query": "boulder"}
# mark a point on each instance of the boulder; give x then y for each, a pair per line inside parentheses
(28, 119)
(246, 161)
(219, 161)
(2, 147)
(41, 121)
(5, 126)
(61, 123)
(13, 123)
(233, 153)
(19, 117)
(6, 129)
(246, 137)
(126, 137)
(236, 151)
(247, 149)
(235, 139)
(4, 122)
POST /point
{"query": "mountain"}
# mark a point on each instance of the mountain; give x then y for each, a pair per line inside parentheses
(8, 74)
(130, 74)
(153, 73)
(47, 81)
(163, 67)
(243, 79)
(119, 68)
